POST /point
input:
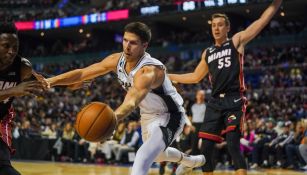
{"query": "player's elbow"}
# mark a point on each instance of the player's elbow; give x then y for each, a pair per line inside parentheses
(81, 75)
(131, 104)
(197, 75)
(196, 79)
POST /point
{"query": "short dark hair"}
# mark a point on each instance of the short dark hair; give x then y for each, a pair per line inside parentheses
(140, 29)
(221, 15)
(8, 27)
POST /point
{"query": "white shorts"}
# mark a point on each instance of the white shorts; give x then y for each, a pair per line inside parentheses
(171, 129)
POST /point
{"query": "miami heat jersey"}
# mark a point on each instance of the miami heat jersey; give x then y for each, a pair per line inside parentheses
(163, 99)
(9, 78)
(225, 65)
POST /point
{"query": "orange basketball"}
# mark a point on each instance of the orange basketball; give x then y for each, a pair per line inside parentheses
(95, 122)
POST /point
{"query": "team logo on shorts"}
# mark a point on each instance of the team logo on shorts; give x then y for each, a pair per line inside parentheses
(231, 118)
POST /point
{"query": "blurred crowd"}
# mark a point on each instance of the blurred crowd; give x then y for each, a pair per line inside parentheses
(275, 128)
(27, 3)
(26, 10)
(51, 46)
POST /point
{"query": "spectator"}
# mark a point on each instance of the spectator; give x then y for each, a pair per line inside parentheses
(128, 142)
(303, 146)
(292, 149)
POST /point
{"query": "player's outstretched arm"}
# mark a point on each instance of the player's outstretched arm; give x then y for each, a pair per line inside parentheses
(192, 78)
(243, 37)
(144, 80)
(79, 75)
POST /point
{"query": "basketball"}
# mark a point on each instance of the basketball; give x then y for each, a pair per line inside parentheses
(95, 122)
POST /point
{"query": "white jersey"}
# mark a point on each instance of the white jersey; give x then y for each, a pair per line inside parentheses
(164, 99)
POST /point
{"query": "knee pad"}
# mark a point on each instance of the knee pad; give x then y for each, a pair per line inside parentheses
(207, 148)
(8, 170)
(233, 146)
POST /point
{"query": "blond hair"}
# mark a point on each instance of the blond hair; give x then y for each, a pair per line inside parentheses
(221, 15)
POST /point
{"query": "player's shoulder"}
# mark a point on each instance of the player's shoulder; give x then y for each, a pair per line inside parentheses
(203, 55)
(111, 59)
(148, 68)
(151, 69)
(25, 61)
(210, 47)
(115, 56)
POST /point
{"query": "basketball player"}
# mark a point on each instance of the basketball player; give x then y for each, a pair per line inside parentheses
(14, 70)
(148, 86)
(224, 62)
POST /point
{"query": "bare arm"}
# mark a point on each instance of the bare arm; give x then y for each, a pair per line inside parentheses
(83, 85)
(242, 38)
(191, 78)
(5, 94)
(79, 75)
(144, 81)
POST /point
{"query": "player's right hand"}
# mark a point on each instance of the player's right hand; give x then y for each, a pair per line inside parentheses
(27, 88)
(42, 80)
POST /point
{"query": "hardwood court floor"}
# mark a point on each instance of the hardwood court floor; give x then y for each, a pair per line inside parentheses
(50, 168)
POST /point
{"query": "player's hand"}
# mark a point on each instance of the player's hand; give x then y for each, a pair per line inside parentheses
(42, 80)
(27, 88)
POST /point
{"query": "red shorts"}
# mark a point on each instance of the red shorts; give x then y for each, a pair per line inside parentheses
(6, 129)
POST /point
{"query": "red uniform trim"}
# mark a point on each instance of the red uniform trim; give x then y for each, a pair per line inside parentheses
(213, 137)
(241, 75)
(228, 129)
(6, 129)
(242, 89)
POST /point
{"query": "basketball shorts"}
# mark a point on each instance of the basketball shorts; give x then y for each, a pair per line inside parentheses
(171, 125)
(223, 114)
(6, 129)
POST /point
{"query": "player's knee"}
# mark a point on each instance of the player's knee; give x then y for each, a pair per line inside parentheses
(233, 142)
(160, 158)
(233, 148)
(141, 158)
